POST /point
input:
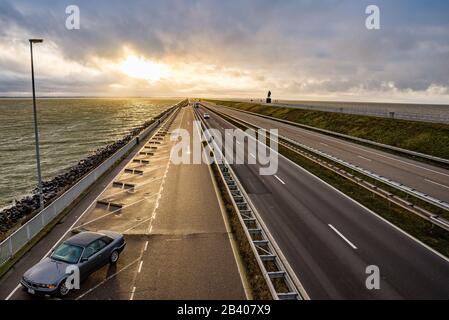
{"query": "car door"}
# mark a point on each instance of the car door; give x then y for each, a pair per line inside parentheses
(93, 256)
(108, 248)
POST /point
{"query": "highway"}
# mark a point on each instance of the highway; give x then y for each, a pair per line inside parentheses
(329, 240)
(178, 245)
(422, 177)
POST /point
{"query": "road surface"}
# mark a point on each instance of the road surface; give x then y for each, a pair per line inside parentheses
(425, 178)
(329, 240)
(177, 244)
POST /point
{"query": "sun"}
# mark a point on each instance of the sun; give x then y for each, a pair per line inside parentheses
(140, 68)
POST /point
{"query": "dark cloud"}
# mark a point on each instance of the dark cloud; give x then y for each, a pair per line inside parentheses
(300, 46)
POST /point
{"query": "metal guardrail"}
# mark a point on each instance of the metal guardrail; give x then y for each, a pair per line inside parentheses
(269, 257)
(397, 185)
(433, 218)
(436, 219)
(392, 114)
(348, 137)
(18, 239)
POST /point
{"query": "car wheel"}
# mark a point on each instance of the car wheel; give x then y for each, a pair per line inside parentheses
(63, 290)
(114, 257)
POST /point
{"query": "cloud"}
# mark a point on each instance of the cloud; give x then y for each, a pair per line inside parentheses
(224, 48)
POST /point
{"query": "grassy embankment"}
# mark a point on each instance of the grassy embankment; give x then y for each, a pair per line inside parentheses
(435, 237)
(424, 137)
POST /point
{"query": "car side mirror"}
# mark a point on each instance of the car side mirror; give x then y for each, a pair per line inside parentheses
(84, 259)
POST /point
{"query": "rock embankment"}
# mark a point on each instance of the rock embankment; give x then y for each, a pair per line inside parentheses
(29, 205)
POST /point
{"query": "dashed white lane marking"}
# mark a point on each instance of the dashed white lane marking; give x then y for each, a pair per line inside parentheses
(438, 184)
(161, 189)
(132, 293)
(326, 145)
(342, 236)
(140, 266)
(362, 157)
(280, 180)
(334, 140)
(146, 246)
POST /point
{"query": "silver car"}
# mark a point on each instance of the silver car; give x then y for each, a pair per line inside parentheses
(89, 251)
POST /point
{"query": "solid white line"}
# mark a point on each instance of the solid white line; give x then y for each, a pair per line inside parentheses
(84, 212)
(132, 293)
(364, 208)
(337, 140)
(14, 291)
(114, 211)
(140, 266)
(146, 246)
(362, 157)
(342, 236)
(105, 280)
(279, 179)
(439, 184)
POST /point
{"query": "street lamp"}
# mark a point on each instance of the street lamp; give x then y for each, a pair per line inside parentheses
(36, 132)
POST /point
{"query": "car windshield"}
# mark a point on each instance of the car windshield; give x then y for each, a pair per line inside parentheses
(67, 253)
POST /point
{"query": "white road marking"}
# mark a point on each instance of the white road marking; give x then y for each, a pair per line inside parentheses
(394, 159)
(363, 207)
(343, 237)
(140, 266)
(280, 180)
(336, 140)
(132, 293)
(146, 246)
(14, 291)
(78, 219)
(114, 211)
(326, 145)
(438, 184)
(252, 155)
(105, 280)
(362, 157)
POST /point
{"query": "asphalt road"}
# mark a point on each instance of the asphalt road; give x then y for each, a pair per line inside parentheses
(425, 178)
(178, 246)
(329, 240)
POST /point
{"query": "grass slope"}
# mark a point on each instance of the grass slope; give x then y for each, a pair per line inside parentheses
(428, 138)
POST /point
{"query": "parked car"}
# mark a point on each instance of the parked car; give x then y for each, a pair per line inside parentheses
(89, 251)
(206, 116)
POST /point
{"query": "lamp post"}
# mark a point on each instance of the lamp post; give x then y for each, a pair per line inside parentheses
(36, 132)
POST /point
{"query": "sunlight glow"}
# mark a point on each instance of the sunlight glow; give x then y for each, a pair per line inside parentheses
(140, 68)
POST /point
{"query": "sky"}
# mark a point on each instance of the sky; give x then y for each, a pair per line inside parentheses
(299, 49)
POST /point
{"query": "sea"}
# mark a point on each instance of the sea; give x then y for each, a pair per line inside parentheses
(69, 130)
